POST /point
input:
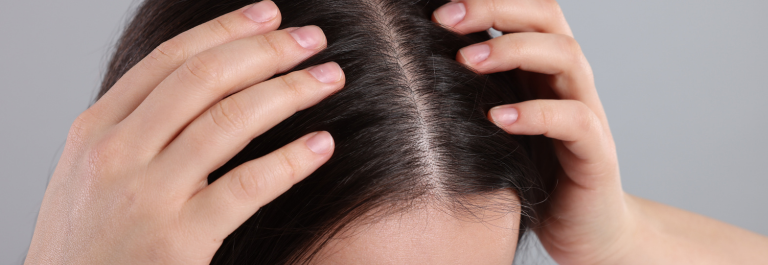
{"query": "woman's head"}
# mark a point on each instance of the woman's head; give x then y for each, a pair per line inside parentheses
(418, 168)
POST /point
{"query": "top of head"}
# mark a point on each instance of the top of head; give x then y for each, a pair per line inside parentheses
(410, 125)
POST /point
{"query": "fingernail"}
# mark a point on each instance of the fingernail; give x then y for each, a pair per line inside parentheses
(451, 14)
(262, 11)
(504, 115)
(326, 73)
(320, 143)
(475, 54)
(308, 37)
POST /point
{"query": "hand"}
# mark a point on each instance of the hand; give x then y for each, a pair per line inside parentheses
(589, 221)
(131, 186)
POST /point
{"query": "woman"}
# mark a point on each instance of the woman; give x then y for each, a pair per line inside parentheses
(133, 182)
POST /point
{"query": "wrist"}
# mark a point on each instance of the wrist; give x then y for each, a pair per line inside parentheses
(639, 233)
(651, 238)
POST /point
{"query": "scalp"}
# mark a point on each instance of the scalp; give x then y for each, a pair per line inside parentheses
(410, 125)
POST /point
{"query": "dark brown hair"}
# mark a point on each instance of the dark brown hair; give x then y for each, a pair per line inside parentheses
(410, 123)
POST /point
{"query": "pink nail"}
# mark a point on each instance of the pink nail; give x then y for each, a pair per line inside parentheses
(262, 11)
(308, 37)
(320, 143)
(504, 115)
(327, 72)
(451, 14)
(477, 53)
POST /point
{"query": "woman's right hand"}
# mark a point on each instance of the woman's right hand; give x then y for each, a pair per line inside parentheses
(131, 186)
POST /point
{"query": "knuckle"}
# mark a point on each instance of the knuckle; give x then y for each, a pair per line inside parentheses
(493, 6)
(168, 52)
(546, 115)
(571, 49)
(105, 156)
(287, 167)
(551, 6)
(80, 129)
(245, 184)
(222, 28)
(206, 68)
(269, 45)
(229, 115)
(292, 85)
(587, 121)
(515, 44)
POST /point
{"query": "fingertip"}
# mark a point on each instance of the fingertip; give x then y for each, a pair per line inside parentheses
(343, 77)
(474, 54)
(327, 73)
(320, 143)
(309, 37)
(504, 116)
(450, 14)
(262, 12)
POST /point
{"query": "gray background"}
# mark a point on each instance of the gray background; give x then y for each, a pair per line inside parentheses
(683, 83)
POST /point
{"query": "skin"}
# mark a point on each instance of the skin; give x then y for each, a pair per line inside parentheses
(591, 220)
(131, 185)
(430, 233)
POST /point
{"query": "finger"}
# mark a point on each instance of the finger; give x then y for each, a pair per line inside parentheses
(467, 16)
(557, 55)
(211, 75)
(570, 121)
(229, 201)
(139, 81)
(217, 135)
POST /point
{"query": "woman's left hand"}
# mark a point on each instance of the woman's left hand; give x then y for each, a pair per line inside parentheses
(588, 221)
(591, 220)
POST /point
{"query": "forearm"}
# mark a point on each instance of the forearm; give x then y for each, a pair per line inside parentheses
(667, 235)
